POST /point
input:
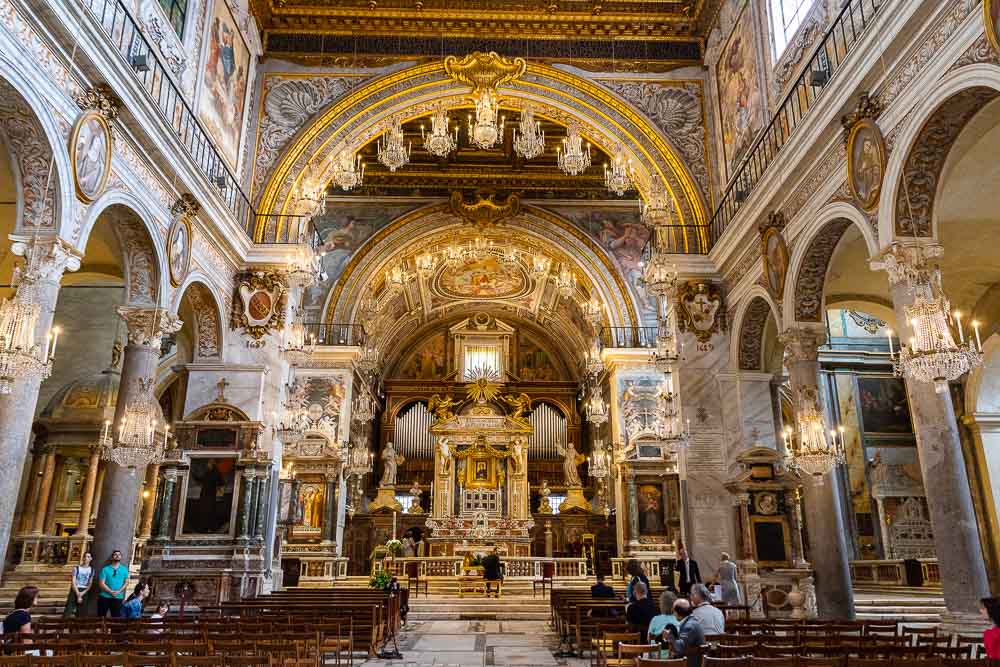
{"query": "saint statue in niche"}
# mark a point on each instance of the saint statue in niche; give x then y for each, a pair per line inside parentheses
(390, 459)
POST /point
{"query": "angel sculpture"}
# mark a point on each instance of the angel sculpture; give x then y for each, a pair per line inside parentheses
(570, 461)
(441, 408)
(519, 404)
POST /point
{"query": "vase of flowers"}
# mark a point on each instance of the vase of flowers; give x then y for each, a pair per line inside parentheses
(394, 547)
(380, 580)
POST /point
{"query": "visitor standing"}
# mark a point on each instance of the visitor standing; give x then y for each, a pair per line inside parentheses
(133, 605)
(726, 576)
(637, 576)
(112, 582)
(80, 584)
(19, 621)
(685, 573)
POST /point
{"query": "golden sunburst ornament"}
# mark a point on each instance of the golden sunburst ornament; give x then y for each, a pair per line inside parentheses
(484, 384)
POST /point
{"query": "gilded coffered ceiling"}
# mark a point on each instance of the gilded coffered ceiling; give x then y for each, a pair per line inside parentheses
(629, 35)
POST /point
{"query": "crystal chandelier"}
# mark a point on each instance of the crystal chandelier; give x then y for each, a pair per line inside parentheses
(932, 354)
(397, 277)
(810, 452)
(487, 129)
(21, 356)
(509, 254)
(305, 268)
(359, 460)
(299, 345)
(596, 409)
(660, 275)
(655, 208)
(592, 311)
(312, 192)
(426, 263)
(348, 170)
(137, 444)
(368, 361)
(479, 248)
(540, 265)
(599, 463)
(441, 141)
(593, 362)
(453, 256)
(573, 157)
(565, 282)
(393, 151)
(290, 428)
(529, 139)
(362, 409)
(617, 174)
(665, 352)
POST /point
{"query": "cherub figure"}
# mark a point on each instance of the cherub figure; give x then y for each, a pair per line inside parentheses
(519, 404)
(441, 408)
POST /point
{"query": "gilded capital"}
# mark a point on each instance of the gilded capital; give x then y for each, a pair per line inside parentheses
(802, 344)
(147, 326)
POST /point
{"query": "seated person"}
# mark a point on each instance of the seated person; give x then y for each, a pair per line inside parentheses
(658, 626)
(711, 618)
(492, 568)
(686, 638)
(601, 589)
(642, 611)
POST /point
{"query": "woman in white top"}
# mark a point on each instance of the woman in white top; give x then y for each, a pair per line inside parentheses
(80, 584)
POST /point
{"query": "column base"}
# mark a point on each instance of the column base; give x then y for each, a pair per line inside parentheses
(962, 622)
(575, 501)
(385, 500)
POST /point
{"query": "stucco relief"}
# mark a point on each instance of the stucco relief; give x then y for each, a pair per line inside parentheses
(206, 320)
(834, 160)
(752, 334)
(980, 52)
(29, 147)
(139, 258)
(288, 104)
(41, 55)
(170, 46)
(917, 193)
(812, 273)
(677, 108)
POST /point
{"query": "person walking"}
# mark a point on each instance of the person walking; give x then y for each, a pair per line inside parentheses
(80, 584)
(112, 582)
(133, 605)
(726, 576)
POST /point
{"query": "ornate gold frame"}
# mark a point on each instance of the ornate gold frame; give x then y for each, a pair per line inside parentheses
(484, 70)
(990, 27)
(74, 136)
(765, 238)
(871, 204)
(178, 280)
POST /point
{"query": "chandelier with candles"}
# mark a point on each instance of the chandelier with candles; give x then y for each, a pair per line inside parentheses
(299, 343)
(573, 156)
(529, 139)
(618, 173)
(137, 443)
(655, 207)
(348, 170)
(565, 281)
(807, 448)
(22, 356)
(393, 149)
(441, 140)
(486, 127)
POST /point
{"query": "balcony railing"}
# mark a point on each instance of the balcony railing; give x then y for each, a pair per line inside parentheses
(134, 48)
(334, 333)
(677, 240)
(628, 337)
(826, 61)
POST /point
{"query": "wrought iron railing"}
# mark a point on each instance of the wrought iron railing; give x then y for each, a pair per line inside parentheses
(837, 43)
(335, 333)
(124, 34)
(628, 336)
(677, 240)
(274, 229)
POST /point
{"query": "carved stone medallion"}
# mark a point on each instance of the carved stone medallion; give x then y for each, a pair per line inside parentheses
(262, 305)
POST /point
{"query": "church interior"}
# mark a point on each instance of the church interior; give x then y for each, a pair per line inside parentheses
(315, 309)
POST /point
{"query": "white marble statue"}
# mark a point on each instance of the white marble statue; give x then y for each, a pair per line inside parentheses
(391, 459)
(570, 461)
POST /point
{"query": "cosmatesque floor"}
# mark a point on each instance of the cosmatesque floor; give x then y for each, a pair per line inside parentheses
(478, 644)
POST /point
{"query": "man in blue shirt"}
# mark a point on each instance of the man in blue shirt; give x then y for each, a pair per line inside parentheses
(112, 581)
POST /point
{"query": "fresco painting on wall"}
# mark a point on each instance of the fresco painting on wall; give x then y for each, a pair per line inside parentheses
(883, 406)
(427, 362)
(740, 98)
(483, 279)
(224, 86)
(534, 363)
(208, 503)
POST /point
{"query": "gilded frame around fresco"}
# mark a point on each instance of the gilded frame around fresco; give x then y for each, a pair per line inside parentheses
(781, 271)
(177, 276)
(990, 25)
(869, 204)
(85, 117)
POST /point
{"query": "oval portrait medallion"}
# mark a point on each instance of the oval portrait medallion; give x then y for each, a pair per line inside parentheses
(179, 250)
(90, 155)
(865, 163)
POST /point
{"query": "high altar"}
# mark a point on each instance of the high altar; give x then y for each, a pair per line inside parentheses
(480, 495)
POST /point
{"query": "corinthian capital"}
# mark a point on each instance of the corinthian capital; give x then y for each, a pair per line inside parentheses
(908, 263)
(802, 343)
(186, 206)
(147, 326)
(46, 259)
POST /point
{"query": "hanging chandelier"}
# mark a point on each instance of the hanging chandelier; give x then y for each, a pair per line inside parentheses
(592, 311)
(312, 194)
(291, 427)
(565, 282)
(599, 463)
(932, 354)
(573, 157)
(529, 139)
(137, 444)
(299, 345)
(22, 357)
(540, 265)
(655, 208)
(509, 255)
(660, 275)
(368, 361)
(305, 268)
(596, 409)
(426, 263)
(348, 170)
(397, 277)
(665, 352)
(453, 256)
(487, 128)
(593, 361)
(393, 150)
(617, 174)
(362, 409)
(809, 451)
(441, 141)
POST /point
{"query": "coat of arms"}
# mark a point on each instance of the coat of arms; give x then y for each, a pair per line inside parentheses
(262, 305)
(700, 310)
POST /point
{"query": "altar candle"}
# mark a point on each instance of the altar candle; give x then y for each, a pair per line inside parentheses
(975, 327)
(393, 525)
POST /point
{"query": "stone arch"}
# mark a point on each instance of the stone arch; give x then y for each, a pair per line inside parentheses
(810, 260)
(32, 136)
(141, 245)
(208, 317)
(922, 148)
(358, 118)
(750, 321)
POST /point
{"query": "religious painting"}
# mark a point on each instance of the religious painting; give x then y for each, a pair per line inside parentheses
(534, 363)
(883, 406)
(865, 163)
(740, 93)
(650, 504)
(774, 252)
(427, 362)
(483, 278)
(90, 155)
(224, 83)
(208, 500)
(311, 502)
(179, 250)
(481, 471)
(991, 21)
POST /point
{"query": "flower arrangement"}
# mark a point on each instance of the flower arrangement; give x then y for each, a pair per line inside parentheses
(380, 580)
(394, 546)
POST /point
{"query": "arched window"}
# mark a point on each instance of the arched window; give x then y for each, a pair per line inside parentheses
(786, 17)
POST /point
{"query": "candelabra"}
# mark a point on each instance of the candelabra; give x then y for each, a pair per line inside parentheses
(136, 444)
(22, 357)
(808, 450)
(565, 282)
(487, 129)
(529, 139)
(393, 150)
(617, 174)
(572, 156)
(348, 170)
(440, 142)
(655, 208)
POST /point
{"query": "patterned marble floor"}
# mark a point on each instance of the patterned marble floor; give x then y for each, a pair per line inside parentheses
(478, 644)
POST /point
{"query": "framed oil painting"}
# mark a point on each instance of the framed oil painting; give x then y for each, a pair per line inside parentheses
(650, 501)
(991, 21)
(90, 155)
(865, 163)
(224, 82)
(774, 253)
(740, 93)
(883, 409)
(208, 496)
(179, 250)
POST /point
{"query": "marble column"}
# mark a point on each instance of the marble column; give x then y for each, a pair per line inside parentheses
(166, 504)
(116, 521)
(33, 485)
(260, 518)
(330, 509)
(45, 490)
(246, 490)
(89, 488)
(942, 463)
(824, 512)
(149, 501)
(50, 507)
(47, 260)
(98, 489)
